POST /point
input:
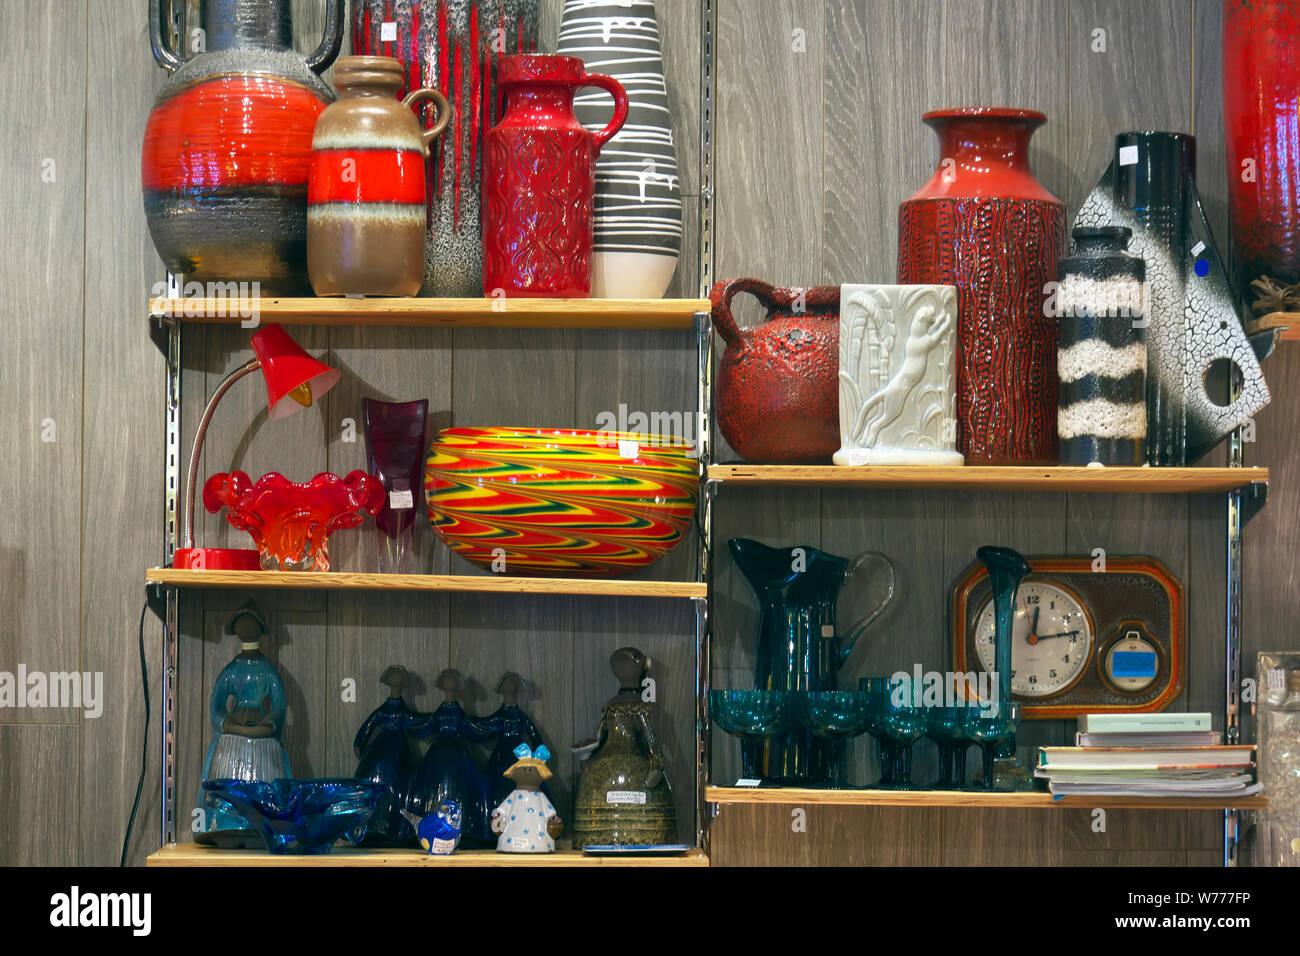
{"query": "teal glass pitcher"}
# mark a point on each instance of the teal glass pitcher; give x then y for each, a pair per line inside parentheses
(801, 644)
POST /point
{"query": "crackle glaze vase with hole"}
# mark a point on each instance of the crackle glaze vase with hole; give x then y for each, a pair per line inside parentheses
(228, 144)
(898, 375)
(366, 191)
(777, 389)
(1192, 321)
(984, 224)
(539, 179)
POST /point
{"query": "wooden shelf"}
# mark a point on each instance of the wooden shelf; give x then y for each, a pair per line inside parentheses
(347, 581)
(1288, 322)
(995, 478)
(963, 798)
(463, 313)
(188, 854)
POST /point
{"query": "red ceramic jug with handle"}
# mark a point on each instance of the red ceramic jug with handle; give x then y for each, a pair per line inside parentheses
(539, 179)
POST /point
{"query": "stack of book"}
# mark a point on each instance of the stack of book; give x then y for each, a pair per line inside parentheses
(1148, 755)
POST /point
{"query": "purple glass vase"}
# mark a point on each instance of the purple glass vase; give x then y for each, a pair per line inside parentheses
(395, 452)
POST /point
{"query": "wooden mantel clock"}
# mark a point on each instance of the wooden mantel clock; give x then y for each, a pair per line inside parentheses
(1085, 641)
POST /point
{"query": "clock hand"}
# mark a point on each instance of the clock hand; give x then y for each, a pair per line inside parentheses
(1062, 634)
(1033, 625)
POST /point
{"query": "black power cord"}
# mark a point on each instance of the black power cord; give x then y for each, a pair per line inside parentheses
(144, 749)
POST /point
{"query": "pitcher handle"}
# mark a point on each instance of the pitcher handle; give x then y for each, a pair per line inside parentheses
(444, 113)
(615, 89)
(167, 58)
(727, 289)
(858, 627)
(332, 42)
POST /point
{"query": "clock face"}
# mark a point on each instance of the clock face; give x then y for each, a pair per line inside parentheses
(1051, 640)
(1132, 661)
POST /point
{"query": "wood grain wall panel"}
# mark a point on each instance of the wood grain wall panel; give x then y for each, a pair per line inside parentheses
(39, 808)
(43, 174)
(884, 69)
(1116, 858)
(974, 837)
(1125, 830)
(1207, 117)
(123, 435)
(193, 730)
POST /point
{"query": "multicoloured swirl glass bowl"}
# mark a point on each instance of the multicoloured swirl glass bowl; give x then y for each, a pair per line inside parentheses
(559, 502)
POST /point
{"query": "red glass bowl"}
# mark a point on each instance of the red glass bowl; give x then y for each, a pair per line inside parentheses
(552, 502)
(290, 522)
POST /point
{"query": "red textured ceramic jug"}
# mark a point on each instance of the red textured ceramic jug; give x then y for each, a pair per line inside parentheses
(539, 179)
(778, 383)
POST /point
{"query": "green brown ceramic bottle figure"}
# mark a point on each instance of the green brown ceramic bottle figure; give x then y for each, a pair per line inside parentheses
(624, 797)
(366, 209)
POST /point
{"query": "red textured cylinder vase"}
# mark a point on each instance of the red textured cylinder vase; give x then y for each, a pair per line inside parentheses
(1261, 118)
(539, 179)
(984, 224)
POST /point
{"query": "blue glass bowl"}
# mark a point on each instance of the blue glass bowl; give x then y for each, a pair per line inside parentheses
(301, 816)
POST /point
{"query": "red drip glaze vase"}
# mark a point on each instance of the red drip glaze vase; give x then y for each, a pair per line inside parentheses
(1261, 118)
(539, 179)
(984, 224)
(290, 522)
(228, 145)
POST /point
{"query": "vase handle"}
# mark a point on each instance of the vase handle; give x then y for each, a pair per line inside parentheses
(814, 300)
(853, 631)
(332, 42)
(444, 113)
(615, 89)
(167, 58)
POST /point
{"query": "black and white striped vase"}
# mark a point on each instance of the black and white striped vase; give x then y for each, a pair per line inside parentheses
(638, 205)
(1101, 351)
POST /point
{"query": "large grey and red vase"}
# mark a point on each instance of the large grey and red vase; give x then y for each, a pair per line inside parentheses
(228, 145)
(984, 224)
(451, 46)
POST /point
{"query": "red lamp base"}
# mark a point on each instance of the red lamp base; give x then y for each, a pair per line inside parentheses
(216, 559)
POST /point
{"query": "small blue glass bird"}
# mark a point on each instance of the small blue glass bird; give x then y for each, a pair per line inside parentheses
(439, 833)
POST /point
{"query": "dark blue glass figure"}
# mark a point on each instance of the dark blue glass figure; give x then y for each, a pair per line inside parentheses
(448, 772)
(512, 727)
(388, 756)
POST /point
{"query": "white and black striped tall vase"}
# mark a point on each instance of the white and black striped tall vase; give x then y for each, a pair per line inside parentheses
(638, 207)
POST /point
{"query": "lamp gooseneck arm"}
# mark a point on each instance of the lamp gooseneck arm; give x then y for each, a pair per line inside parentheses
(191, 475)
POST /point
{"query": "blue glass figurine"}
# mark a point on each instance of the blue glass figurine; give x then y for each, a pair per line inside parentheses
(526, 820)
(247, 711)
(447, 771)
(512, 727)
(387, 756)
(439, 833)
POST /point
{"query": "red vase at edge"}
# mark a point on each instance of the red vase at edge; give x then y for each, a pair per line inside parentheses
(984, 224)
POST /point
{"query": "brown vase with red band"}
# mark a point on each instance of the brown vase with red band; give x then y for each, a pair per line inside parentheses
(778, 383)
(228, 144)
(366, 210)
(984, 224)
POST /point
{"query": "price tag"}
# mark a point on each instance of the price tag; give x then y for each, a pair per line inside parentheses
(388, 32)
(859, 456)
(401, 501)
(1276, 678)
(1128, 155)
(1198, 248)
(628, 449)
(748, 782)
(625, 796)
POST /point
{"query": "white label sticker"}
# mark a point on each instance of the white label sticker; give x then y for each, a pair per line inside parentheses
(748, 782)
(625, 796)
(628, 449)
(401, 501)
(859, 456)
(1128, 155)
(388, 32)
(828, 630)
(1276, 678)
(1198, 248)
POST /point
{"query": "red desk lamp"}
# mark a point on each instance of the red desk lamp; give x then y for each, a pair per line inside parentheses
(293, 380)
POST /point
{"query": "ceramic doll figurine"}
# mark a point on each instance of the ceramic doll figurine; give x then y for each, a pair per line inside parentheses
(624, 798)
(439, 833)
(247, 711)
(526, 820)
(447, 771)
(386, 755)
(512, 727)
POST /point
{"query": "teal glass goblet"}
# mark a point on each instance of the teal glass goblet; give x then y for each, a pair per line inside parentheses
(947, 728)
(904, 721)
(752, 716)
(990, 726)
(874, 688)
(834, 716)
